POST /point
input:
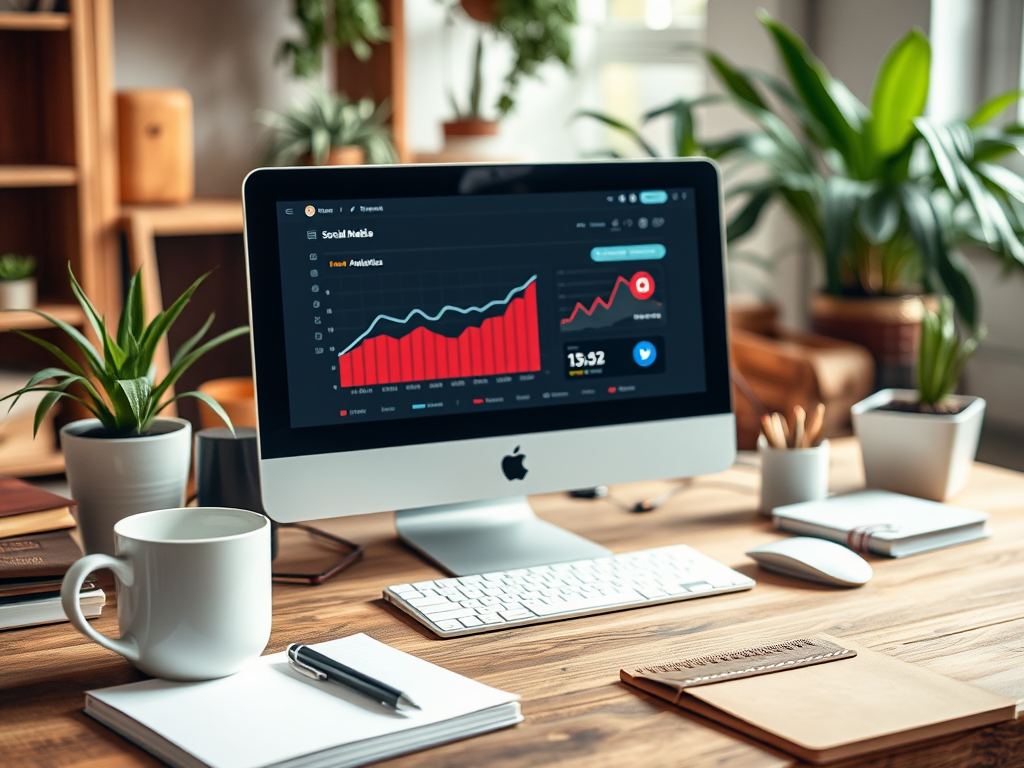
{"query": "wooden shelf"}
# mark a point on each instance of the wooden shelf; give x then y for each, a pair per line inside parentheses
(24, 321)
(36, 466)
(38, 175)
(201, 216)
(38, 22)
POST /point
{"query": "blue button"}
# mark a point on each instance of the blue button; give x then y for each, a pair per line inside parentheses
(627, 252)
(653, 196)
(644, 354)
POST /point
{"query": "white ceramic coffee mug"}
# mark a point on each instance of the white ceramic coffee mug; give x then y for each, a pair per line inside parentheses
(193, 591)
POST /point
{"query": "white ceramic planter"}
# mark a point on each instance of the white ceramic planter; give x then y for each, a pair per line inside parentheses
(919, 454)
(113, 478)
(18, 294)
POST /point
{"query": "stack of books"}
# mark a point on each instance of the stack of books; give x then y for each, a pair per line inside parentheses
(36, 549)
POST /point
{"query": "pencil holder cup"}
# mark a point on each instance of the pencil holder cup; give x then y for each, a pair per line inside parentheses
(792, 475)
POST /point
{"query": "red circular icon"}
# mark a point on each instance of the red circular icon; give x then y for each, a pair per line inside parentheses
(641, 285)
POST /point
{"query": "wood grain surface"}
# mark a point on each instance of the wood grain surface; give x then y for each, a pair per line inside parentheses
(958, 611)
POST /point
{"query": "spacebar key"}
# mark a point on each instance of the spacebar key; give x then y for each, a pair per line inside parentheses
(573, 606)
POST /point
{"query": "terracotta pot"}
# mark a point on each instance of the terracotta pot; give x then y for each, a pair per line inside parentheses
(350, 155)
(480, 10)
(889, 326)
(236, 396)
(472, 127)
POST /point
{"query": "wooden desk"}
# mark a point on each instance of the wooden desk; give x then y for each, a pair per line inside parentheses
(959, 611)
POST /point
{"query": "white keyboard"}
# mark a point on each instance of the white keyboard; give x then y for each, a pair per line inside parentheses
(469, 604)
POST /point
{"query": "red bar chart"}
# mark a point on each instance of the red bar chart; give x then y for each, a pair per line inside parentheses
(507, 343)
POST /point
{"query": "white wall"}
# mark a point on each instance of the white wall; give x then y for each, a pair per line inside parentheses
(222, 52)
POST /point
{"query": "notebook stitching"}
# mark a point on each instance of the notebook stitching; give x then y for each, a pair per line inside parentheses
(753, 652)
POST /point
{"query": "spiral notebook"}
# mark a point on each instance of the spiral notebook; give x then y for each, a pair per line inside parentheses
(269, 715)
(822, 705)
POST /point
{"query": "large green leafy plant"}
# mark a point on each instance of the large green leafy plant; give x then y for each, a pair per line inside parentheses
(886, 196)
(324, 122)
(117, 385)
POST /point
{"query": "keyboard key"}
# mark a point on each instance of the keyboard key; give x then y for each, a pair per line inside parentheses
(419, 602)
(449, 625)
(471, 621)
(491, 618)
(403, 588)
(434, 610)
(458, 614)
(513, 615)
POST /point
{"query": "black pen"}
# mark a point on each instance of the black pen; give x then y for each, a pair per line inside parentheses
(308, 662)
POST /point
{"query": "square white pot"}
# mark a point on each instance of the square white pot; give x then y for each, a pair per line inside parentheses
(919, 454)
(18, 294)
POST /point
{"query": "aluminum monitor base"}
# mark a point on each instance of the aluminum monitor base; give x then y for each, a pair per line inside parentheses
(494, 535)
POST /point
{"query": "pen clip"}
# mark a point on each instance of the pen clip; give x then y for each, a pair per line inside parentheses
(308, 671)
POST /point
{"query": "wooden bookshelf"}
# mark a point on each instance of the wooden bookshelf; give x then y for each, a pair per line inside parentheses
(35, 22)
(58, 183)
(29, 321)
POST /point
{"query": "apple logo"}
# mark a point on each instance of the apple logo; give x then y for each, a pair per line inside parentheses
(512, 465)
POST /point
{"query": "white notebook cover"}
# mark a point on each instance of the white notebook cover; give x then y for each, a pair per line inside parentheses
(906, 516)
(268, 714)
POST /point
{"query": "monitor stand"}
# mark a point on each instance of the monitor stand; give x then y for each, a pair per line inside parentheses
(494, 535)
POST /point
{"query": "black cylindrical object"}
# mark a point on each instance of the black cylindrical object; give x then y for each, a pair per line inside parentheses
(228, 473)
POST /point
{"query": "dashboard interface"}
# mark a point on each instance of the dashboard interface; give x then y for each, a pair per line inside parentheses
(410, 308)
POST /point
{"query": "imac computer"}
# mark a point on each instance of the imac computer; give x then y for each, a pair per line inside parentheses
(444, 340)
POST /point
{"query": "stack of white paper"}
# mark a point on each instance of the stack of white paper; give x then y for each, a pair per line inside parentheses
(269, 715)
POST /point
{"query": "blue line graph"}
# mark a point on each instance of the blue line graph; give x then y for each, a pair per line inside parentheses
(446, 308)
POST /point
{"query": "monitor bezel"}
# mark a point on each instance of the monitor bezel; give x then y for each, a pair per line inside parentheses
(264, 188)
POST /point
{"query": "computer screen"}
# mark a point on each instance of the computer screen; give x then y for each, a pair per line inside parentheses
(427, 335)
(411, 308)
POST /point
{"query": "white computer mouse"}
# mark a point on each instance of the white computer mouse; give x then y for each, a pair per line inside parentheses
(815, 560)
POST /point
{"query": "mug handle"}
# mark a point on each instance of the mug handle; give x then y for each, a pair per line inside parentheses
(72, 586)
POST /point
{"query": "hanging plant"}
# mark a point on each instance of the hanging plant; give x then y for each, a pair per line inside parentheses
(354, 24)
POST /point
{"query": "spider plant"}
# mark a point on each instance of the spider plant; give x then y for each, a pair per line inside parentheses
(942, 356)
(325, 122)
(885, 195)
(117, 384)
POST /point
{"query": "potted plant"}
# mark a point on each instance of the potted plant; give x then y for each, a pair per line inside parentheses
(922, 442)
(329, 130)
(884, 195)
(537, 30)
(17, 282)
(354, 24)
(128, 458)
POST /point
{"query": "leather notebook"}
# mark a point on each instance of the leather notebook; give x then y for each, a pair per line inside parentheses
(860, 701)
(40, 558)
(25, 509)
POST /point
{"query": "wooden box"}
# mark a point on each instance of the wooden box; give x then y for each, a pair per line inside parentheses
(776, 369)
(156, 146)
